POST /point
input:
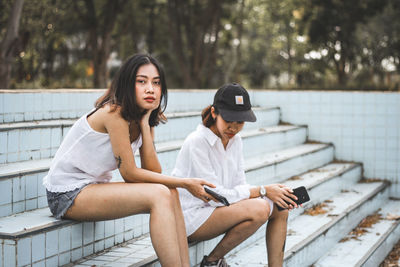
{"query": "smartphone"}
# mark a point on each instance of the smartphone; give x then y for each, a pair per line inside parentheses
(217, 196)
(301, 194)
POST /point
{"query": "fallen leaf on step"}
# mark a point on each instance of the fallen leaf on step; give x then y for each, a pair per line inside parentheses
(391, 216)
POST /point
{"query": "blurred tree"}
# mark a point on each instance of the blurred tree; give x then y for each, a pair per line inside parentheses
(195, 27)
(331, 25)
(9, 44)
(99, 19)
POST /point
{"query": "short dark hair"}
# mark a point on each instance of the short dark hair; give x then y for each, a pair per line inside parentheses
(206, 116)
(122, 91)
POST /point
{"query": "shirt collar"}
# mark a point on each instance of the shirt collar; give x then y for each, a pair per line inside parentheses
(209, 135)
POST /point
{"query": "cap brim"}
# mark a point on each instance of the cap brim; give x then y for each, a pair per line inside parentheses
(230, 115)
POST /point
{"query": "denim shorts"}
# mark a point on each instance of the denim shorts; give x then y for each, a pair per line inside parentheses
(60, 202)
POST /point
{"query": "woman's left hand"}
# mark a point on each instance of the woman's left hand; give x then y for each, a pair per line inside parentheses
(280, 194)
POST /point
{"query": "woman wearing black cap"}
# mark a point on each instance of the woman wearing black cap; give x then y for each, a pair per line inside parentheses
(214, 152)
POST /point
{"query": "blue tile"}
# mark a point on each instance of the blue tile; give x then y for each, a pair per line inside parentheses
(77, 232)
(99, 246)
(31, 186)
(88, 232)
(31, 204)
(76, 254)
(39, 264)
(24, 251)
(5, 210)
(1, 250)
(88, 250)
(55, 137)
(119, 226)
(99, 230)
(45, 138)
(18, 189)
(9, 250)
(51, 243)
(109, 228)
(3, 142)
(5, 191)
(38, 247)
(64, 258)
(53, 261)
(64, 235)
(109, 242)
(13, 141)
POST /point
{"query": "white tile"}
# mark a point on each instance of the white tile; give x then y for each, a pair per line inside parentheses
(5, 210)
(51, 243)
(76, 254)
(64, 235)
(5, 191)
(1, 250)
(24, 251)
(88, 232)
(9, 258)
(39, 264)
(42, 202)
(53, 261)
(3, 142)
(109, 228)
(109, 242)
(88, 250)
(119, 238)
(18, 189)
(13, 141)
(119, 226)
(31, 204)
(99, 230)
(99, 246)
(45, 138)
(31, 186)
(64, 258)
(77, 235)
(18, 207)
(38, 247)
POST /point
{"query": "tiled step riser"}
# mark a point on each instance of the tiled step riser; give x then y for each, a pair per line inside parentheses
(69, 243)
(257, 145)
(60, 104)
(30, 144)
(276, 173)
(311, 252)
(26, 192)
(180, 127)
(377, 257)
(22, 193)
(329, 188)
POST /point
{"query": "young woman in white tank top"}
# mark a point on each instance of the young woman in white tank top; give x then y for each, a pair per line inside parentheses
(78, 185)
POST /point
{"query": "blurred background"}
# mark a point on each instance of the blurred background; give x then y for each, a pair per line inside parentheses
(284, 44)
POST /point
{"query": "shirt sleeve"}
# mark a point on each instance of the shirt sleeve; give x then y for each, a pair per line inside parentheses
(201, 165)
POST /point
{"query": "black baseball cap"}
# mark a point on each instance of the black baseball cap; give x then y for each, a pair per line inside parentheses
(233, 103)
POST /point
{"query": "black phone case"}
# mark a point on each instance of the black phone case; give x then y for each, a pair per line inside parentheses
(217, 196)
(301, 194)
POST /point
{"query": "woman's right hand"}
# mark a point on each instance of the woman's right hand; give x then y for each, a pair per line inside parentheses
(196, 187)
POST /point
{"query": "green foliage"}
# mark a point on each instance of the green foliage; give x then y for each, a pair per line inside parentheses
(203, 44)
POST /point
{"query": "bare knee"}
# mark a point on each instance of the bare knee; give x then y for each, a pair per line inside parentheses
(259, 211)
(280, 214)
(161, 196)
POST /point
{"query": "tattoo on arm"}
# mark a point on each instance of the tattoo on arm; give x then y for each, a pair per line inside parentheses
(119, 161)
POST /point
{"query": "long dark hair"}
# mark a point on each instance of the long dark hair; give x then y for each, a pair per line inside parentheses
(122, 91)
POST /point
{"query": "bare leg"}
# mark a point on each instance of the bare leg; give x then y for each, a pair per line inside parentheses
(181, 230)
(276, 237)
(116, 200)
(238, 221)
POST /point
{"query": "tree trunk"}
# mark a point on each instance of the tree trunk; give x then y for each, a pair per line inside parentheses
(8, 44)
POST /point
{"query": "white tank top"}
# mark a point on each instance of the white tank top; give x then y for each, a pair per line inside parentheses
(84, 157)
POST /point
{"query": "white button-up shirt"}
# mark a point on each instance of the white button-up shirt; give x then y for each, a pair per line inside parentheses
(203, 156)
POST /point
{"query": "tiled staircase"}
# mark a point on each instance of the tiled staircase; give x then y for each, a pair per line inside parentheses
(325, 232)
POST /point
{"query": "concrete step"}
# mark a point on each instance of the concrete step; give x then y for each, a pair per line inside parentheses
(21, 182)
(132, 250)
(369, 244)
(21, 141)
(15, 228)
(35, 238)
(310, 236)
